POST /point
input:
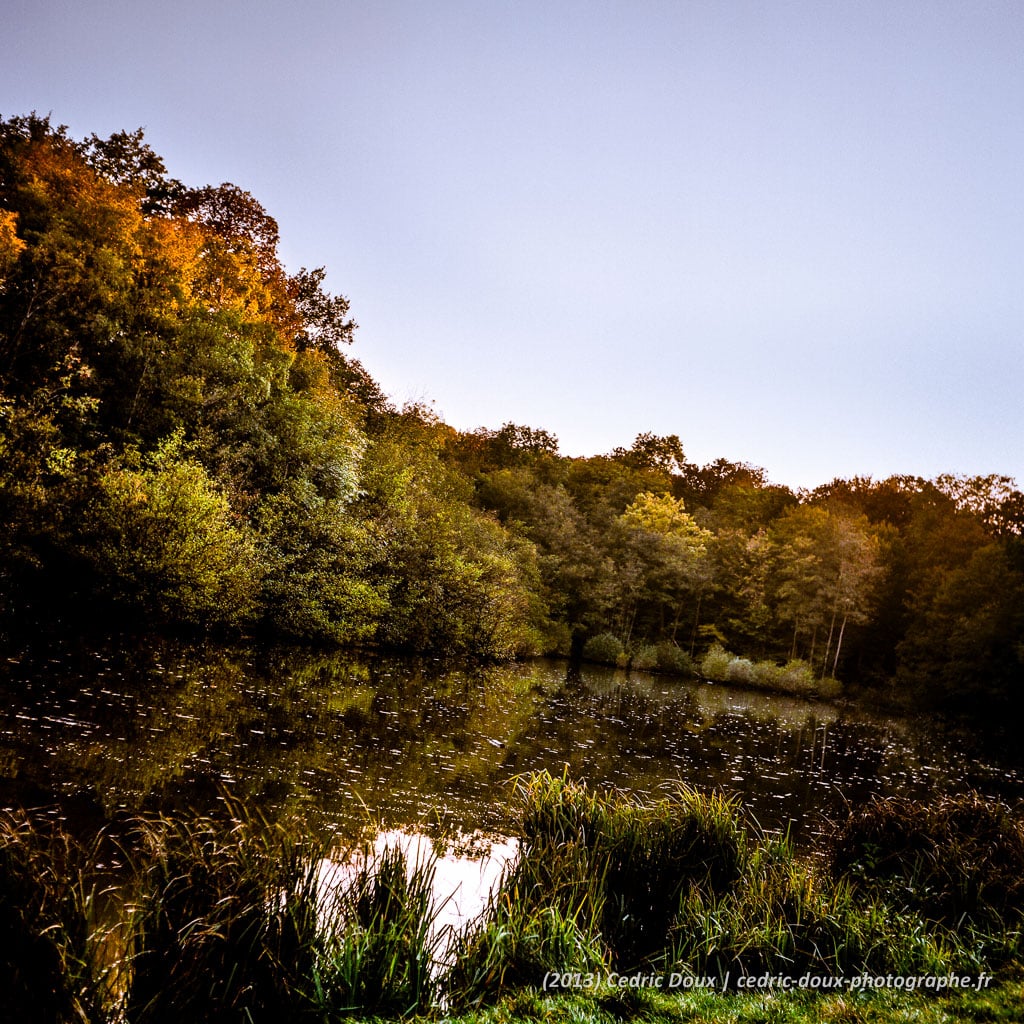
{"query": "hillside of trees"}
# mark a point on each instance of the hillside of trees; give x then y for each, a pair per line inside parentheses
(186, 442)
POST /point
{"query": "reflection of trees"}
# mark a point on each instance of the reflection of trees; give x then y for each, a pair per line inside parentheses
(342, 737)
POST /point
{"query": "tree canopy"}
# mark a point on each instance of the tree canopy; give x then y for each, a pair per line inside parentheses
(186, 441)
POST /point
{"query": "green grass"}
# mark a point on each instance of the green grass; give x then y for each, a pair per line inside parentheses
(235, 919)
(1000, 1004)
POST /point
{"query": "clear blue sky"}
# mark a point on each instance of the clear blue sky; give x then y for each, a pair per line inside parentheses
(790, 232)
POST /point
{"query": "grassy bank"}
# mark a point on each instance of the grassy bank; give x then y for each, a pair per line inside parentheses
(615, 909)
(999, 1005)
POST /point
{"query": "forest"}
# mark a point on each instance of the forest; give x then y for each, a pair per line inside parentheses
(187, 443)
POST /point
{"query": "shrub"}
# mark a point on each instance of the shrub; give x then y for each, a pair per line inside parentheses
(957, 860)
(740, 670)
(645, 659)
(715, 664)
(664, 656)
(165, 540)
(766, 675)
(605, 649)
(796, 677)
(672, 658)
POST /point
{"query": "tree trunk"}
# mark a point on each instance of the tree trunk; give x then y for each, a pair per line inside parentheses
(696, 622)
(839, 646)
(828, 643)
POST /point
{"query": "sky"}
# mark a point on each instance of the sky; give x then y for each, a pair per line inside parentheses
(790, 232)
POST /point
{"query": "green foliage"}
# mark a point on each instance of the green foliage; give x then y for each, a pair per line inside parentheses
(664, 657)
(605, 649)
(670, 658)
(964, 637)
(457, 581)
(164, 536)
(959, 860)
(315, 584)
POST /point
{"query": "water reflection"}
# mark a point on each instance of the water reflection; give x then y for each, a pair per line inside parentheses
(464, 871)
(159, 726)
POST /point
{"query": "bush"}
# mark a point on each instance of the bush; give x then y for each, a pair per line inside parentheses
(715, 664)
(767, 676)
(740, 670)
(605, 649)
(645, 659)
(796, 677)
(672, 658)
(665, 656)
(165, 540)
(958, 860)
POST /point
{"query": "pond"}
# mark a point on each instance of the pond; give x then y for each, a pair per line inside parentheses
(351, 741)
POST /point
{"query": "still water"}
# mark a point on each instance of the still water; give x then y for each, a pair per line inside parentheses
(349, 741)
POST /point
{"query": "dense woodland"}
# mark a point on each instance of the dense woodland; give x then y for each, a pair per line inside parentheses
(186, 442)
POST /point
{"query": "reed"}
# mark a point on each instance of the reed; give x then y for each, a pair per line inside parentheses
(785, 916)
(597, 882)
(544, 916)
(51, 965)
(223, 921)
(958, 860)
(238, 919)
(380, 946)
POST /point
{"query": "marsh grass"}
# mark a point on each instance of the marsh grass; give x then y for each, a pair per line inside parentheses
(51, 963)
(223, 921)
(787, 917)
(958, 859)
(238, 919)
(379, 945)
(544, 915)
(597, 883)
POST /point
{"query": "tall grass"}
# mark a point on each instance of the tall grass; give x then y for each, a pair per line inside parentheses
(597, 882)
(379, 948)
(240, 920)
(51, 965)
(957, 861)
(785, 917)
(224, 922)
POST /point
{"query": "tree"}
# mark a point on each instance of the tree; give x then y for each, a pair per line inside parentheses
(962, 647)
(663, 561)
(651, 451)
(162, 537)
(826, 564)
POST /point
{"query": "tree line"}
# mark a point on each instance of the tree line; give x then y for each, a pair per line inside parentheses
(187, 442)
